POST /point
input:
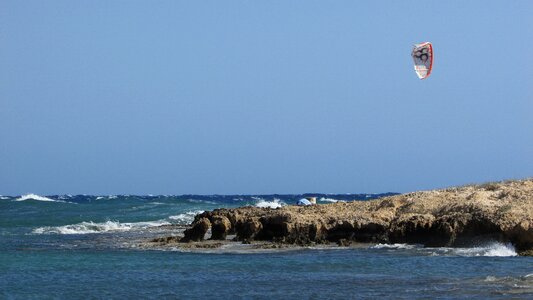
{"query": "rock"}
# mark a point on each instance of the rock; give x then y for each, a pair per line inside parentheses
(344, 242)
(249, 229)
(526, 253)
(341, 230)
(197, 231)
(166, 240)
(220, 227)
(449, 217)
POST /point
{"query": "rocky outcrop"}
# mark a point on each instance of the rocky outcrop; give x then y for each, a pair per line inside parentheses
(197, 231)
(449, 217)
(220, 227)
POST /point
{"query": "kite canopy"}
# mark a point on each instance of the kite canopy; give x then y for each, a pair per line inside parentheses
(423, 57)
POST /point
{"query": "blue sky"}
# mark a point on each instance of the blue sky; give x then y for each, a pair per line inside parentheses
(173, 97)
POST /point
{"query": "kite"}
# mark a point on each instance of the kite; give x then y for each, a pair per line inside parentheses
(423, 58)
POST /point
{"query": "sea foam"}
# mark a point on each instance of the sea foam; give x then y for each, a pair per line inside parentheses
(91, 227)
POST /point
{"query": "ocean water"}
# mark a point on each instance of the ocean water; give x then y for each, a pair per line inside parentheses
(69, 247)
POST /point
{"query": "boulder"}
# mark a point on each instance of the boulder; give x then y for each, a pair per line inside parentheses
(249, 229)
(197, 232)
(220, 227)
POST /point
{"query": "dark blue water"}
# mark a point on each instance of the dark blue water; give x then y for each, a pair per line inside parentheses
(88, 247)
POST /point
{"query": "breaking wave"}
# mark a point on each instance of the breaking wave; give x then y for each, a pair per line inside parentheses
(395, 246)
(185, 218)
(37, 198)
(323, 199)
(493, 249)
(91, 227)
(276, 203)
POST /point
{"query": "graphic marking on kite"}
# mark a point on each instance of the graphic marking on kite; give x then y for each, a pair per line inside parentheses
(423, 58)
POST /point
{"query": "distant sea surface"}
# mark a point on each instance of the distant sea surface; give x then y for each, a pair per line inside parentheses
(69, 247)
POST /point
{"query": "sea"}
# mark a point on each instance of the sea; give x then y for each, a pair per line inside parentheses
(88, 247)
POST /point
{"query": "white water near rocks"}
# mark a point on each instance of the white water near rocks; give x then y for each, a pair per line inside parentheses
(276, 203)
(492, 249)
(185, 218)
(91, 227)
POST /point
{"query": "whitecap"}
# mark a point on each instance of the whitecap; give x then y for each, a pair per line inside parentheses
(37, 198)
(323, 199)
(109, 197)
(91, 227)
(201, 201)
(493, 250)
(276, 203)
(185, 218)
(395, 246)
(328, 200)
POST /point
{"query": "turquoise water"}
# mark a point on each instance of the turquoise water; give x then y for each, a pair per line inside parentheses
(87, 247)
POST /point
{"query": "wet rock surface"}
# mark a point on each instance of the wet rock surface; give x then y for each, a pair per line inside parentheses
(449, 217)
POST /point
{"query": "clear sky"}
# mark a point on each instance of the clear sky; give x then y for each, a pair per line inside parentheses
(227, 97)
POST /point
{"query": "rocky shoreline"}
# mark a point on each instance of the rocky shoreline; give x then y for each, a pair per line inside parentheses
(461, 216)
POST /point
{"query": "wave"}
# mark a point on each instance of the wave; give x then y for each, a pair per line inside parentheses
(323, 199)
(38, 198)
(396, 246)
(201, 201)
(512, 285)
(276, 203)
(493, 249)
(91, 227)
(185, 218)
(109, 197)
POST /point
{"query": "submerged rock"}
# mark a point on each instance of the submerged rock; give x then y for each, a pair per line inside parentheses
(449, 217)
